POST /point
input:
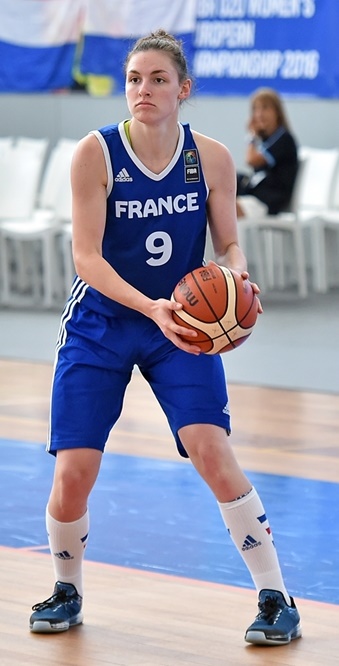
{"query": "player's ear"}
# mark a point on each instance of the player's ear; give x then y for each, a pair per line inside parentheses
(185, 89)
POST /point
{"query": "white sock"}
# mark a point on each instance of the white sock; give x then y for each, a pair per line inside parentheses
(248, 526)
(67, 542)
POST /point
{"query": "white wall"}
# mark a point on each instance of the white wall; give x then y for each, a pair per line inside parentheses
(315, 122)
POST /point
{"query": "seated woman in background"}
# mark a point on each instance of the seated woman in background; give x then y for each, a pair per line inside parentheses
(272, 156)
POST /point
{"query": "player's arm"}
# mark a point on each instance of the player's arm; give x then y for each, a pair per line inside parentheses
(220, 176)
(88, 179)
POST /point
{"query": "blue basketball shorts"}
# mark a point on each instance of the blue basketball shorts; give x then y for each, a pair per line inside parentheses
(95, 357)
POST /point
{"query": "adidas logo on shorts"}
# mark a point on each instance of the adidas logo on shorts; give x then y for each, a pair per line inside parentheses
(123, 177)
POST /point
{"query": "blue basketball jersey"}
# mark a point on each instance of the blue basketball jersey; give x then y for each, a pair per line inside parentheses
(156, 223)
(154, 234)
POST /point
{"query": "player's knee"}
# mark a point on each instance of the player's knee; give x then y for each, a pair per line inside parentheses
(206, 457)
(209, 461)
(71, 488)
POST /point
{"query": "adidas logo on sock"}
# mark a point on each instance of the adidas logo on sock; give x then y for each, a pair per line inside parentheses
(250, 543)
(64, 555)
(123, 177)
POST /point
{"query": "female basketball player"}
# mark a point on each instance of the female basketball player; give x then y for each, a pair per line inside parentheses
(143, 192)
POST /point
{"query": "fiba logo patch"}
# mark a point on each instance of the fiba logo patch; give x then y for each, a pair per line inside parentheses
(192, 169)
(191, 156)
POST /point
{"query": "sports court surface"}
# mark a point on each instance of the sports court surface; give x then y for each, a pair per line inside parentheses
(164, 584)
(158, 515)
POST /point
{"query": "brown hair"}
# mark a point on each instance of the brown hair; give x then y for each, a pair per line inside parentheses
(160, 40)
(271, 97)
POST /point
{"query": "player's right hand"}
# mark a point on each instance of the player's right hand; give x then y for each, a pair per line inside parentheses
(161, 313)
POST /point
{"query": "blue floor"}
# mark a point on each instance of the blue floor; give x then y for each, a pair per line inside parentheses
(160, 516)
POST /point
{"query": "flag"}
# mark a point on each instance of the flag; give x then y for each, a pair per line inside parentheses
(38, 40)
(112, 26)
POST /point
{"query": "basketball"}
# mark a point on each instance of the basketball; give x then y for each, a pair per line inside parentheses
(219, 305)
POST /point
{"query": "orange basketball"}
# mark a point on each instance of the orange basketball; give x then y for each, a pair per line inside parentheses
(219, 305)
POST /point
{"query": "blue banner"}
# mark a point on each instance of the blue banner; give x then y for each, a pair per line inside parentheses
(234, 46)
(289, 45)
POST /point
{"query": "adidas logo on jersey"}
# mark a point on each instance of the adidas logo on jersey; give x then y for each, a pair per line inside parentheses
(123, 177)
(250, 543)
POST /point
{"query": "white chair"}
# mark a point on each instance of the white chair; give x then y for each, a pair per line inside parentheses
(325, 242)
(63, 212)
(39, 146)
(53, 177)
(20, 171)
(67, 257)
(33, 236)
(311, 195)
(6, 142)
(262, 242)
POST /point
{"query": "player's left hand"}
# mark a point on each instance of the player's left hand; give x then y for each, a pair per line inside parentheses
(246, 276)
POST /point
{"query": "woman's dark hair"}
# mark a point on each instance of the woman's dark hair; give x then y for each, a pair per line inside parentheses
(160, 40)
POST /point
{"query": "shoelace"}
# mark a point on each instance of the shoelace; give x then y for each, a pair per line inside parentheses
(59, 597)
(269, 608)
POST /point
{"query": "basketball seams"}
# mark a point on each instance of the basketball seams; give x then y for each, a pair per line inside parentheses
(193, 321)
(229, 302)
(190, 319)
(239, 321)
(224, 332)
(207, 344)
(205, 297)
(247, 313)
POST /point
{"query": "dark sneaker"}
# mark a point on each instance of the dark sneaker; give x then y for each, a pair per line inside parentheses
(276, 623)
(58, 613)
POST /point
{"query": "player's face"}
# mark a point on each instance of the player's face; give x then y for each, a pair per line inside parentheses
(153, 90)
(264, 118)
